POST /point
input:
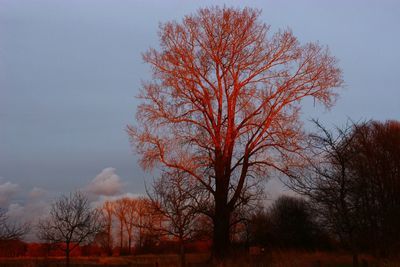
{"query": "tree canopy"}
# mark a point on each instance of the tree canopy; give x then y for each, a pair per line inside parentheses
(224, 101)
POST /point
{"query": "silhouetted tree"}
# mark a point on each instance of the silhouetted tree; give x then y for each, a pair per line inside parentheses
(290, 223)
(293, 224)
(9, 230)
(328, 182)
(223, 105)
(259, 229)
(353, 179)
(376, 184)
(71, 222)
(249, 203)
(173, 197)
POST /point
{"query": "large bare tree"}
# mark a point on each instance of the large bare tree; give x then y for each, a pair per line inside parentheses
(70, 223)
(223, 104)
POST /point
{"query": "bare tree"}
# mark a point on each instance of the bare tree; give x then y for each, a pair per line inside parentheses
(148, 223)
(107, 213)
(71, 222)
(135, 219)
(11, 231)
(376, 184)
(129, 218)
(120, 208)
(250, 201)
(353, 179)
(224, 102)
(293, 223)
(173, 197)
(329, 182)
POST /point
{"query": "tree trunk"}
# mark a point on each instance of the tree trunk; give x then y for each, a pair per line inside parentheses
(182, 253)
(67, 255)
(140, 237)
(221, 220)
(140, 233)
(355, 259)
(129, 244)
(221, 240)
(354, 249)
(109, 238)
(121, 238)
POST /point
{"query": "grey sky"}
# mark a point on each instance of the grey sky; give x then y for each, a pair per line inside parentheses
(69, 71)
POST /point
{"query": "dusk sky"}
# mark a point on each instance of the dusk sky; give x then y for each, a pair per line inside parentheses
(70, 71)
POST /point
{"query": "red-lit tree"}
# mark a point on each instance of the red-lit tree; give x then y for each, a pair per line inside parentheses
(223, 105)
(120, 208)
(107, 214)
(129, 218)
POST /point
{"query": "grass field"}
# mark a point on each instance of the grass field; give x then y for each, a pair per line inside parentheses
(273, 259)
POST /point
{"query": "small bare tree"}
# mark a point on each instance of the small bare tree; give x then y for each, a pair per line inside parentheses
(107, 215)
(173, 196)
(129, 217)
(71, 222)
(329, 181)
(10, 231)
(148, 224)
(120, 209)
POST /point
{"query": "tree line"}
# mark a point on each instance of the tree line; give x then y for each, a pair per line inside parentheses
(353, 181)
(348, 198)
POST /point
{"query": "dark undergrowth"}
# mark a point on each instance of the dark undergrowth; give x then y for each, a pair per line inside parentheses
(272, 259)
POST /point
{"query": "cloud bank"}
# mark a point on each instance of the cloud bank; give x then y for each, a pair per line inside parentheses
(31, 210)
(29, 206)
(106, 183)
(7, 190)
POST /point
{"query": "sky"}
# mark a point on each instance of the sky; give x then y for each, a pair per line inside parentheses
(70, 71)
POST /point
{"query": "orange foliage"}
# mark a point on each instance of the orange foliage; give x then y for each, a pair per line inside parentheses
(224, 102)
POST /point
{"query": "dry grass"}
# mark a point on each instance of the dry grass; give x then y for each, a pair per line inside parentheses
(273, 259)
(194, 260)
(317, 259)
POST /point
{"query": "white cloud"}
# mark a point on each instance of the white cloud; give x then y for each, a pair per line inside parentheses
(35, 207)
(16, 211)
(99, 201)
(7, 190)
(106, 183)
(37, 192)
